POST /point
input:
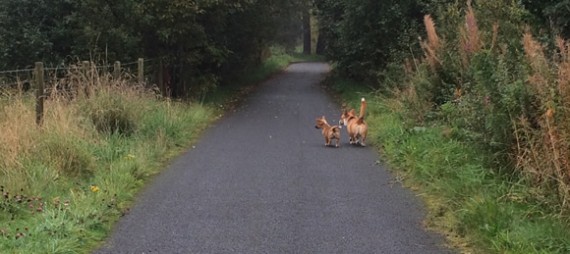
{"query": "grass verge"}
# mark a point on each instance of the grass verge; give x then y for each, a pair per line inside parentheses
(476, 207)
(65, 184)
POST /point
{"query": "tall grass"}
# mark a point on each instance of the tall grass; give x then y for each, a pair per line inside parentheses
(514, 104)
(478, 209)
(543, 150)
(64, 184)
(470, 41)
(432, 45)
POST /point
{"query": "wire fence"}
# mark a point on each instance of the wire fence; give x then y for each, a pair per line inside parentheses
(24, 77)
(41, 79)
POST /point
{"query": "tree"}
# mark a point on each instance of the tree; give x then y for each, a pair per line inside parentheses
(200, 42)
(306, 32)
(365, 35)
(551, 13)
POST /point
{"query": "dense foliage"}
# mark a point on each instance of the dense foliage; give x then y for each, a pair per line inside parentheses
(198, 40)
(469, 51)
(490, 76)
(364, 36)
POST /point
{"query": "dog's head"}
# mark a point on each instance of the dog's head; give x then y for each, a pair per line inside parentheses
(320, 122)
(345, 116)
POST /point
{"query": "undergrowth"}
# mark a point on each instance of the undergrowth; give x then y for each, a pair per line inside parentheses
(478, 123)
(479, 209)
(64, 184)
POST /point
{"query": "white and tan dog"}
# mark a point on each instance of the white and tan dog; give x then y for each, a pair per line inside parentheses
(355, 126)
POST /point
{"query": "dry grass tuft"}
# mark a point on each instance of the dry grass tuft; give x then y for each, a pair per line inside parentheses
(534, 53)
(17, 135)
(67, 126)
(470, 40)
(563, 68)
(433, 44)
(408, 101)
(543, 152)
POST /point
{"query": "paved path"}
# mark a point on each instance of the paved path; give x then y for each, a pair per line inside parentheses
(261, 181)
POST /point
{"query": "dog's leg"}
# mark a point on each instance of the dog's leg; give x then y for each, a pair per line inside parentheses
(363, 140)
(363, 137)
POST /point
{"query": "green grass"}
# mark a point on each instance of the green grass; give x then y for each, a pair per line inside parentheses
(478, 209)
(63, 186)
(70, 187)
(278, 61)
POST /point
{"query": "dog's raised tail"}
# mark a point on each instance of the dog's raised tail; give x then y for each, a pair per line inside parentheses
(362, 110)
(336, 129)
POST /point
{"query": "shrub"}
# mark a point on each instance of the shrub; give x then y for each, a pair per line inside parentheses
(112, 114)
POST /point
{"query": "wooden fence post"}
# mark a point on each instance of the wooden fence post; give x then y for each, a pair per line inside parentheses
(86, 69)
(117, 70)
(85, 66)
(141, 70)
(161, 78)
(39, 76)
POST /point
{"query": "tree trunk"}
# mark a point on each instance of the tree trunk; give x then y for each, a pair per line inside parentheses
(306, 32)
(321, 41)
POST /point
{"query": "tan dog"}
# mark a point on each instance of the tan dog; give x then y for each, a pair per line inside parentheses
(355, 126)
(329, 132)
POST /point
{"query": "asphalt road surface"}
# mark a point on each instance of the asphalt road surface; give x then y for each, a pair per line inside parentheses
(261, 181)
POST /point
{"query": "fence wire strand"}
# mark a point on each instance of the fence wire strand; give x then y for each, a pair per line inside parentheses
(6, 75)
